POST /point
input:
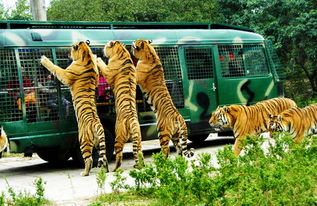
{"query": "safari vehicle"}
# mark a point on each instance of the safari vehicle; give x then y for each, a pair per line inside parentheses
(206, 65)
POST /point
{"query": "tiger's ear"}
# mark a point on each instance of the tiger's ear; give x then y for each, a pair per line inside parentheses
(124, 45)
(112, 43)
(75, 47)
(271, 116)
(226, 109)
(150, 41)
(87, 42)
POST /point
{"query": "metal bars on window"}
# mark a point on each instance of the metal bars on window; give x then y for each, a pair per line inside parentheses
(242, 60)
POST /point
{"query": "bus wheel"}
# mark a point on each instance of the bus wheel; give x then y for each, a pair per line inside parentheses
(54, 156)
(78, 159)
(197, 139)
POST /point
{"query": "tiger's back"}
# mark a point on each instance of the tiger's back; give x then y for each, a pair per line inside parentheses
(121, 74)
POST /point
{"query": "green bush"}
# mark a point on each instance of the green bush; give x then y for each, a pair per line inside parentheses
(284, 175)
(25, 198)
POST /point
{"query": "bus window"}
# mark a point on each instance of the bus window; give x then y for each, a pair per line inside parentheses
(242, 60)
(199, 63)
(9, 91)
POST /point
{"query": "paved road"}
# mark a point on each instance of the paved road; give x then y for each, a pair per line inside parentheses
(65, 186)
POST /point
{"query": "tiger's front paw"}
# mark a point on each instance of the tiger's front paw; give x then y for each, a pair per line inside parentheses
(44, 60)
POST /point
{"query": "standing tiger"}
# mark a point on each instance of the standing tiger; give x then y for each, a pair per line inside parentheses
(4, 143)
(251, 120)
(120, 73)
(150, 76)
(299, 122)
(82, 78)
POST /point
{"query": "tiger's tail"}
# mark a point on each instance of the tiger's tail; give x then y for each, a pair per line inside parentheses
(184, 136)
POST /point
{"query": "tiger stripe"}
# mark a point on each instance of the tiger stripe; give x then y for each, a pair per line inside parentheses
(150, 75)
(82, 78)
(299, 122)
(248, 120)
(120, 73)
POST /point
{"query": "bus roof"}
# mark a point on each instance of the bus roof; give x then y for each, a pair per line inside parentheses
(38, 33)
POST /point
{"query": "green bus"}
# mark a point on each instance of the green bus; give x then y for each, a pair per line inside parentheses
(206, 65)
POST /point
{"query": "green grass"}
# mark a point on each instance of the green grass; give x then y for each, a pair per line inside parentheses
(285, 175)
(24, 198)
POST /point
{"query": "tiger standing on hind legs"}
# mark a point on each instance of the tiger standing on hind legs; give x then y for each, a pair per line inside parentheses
(248, 120)
(82, 78)
(120, 73)
(150, 76)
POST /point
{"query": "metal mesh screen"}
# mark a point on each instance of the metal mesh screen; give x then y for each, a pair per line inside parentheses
(173, 76)
(9, 86)
(280, 71)
(242, 60)
(199, 63)
(40, 93)
(64, 60)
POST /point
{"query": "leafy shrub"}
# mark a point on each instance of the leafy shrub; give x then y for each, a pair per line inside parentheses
(25, 198)
(285, 175)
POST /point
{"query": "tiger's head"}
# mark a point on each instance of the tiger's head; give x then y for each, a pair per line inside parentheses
(280, 123)
(114, 47)
(142, 48)
(224, 117)
(81, 51)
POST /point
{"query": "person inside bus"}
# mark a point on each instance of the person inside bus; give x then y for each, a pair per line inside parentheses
(48, 89)
(29, 95)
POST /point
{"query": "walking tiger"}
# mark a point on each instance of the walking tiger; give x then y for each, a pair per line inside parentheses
(82, 78)
(297, 121)
(120, 73)
(150, 76)
(251, 120)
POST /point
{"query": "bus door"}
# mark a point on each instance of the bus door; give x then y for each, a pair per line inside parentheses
(198, 65)
(243, 77)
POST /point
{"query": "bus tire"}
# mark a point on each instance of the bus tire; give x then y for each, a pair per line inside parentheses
(54, 155)
(77, 156)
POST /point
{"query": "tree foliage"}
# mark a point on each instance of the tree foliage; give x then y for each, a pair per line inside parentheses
(132, 10)
(290, 24)
(20, 12)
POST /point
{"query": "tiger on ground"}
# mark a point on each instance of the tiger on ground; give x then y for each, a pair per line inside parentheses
(121, 75)
(248, 120)
(82, 78)
(299, 122)
(4, 143)
(150, 77)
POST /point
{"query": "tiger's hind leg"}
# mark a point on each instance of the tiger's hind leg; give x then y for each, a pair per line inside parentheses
(118, 148)
(165, 137)
(137, 148)
(176, 142)
(102, 160)
(86, 151)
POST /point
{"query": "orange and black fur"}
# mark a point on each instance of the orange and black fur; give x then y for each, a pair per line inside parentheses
(248, 120)
(299, 122)
(4, 143)
(82, 78)
(150, 76)
(120, 73)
